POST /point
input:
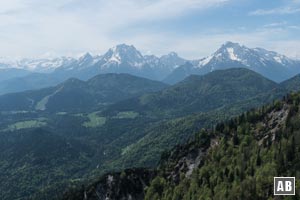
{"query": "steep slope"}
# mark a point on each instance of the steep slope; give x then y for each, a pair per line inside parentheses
(76, 95)
(201, 93)
(267, 63)
(235, 160)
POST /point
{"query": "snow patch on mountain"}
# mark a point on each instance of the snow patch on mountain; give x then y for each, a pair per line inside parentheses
(205, 61)
(115, 58)
(278, 59)
(232, 56)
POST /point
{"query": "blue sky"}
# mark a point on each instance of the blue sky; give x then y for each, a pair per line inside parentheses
(193, 28)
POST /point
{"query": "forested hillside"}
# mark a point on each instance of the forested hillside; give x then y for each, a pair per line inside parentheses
(292, 84)
(201, 94)
(236, 159)
(48, 150)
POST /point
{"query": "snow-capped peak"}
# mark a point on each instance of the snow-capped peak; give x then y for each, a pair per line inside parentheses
(204, 61)
(228, 51)
(274, 57)
(126, 54)
(234, 54)
(171, 55)
(229, 44)
(231, 50)
(86, 56)
(172, 60)
(125, 50)
(86, 59)
(44, 65)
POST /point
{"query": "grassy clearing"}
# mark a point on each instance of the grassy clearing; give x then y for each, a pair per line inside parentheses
(78, 115)
(41, 105)
(61, 113)
(26, 124)
(127, 115)
(94, 121)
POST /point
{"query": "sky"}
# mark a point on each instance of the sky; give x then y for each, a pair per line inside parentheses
(192, 28)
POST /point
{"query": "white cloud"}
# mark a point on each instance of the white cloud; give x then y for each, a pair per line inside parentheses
(202, 45)
(65, 27)
(280, 11)
(275, 24)
(33, 27)
(296, 1)
(11, 5)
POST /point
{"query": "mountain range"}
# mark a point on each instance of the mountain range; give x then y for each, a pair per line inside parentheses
(80, 118)
(120, 59)
(40, 65)
(38, 73)
(268, 63)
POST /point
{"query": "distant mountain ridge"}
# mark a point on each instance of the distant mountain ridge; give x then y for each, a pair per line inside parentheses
(268, 63)
(119, 59)
(202, 93)
(187, 96)
(77, 95)
(124, 58)
(40, 65)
